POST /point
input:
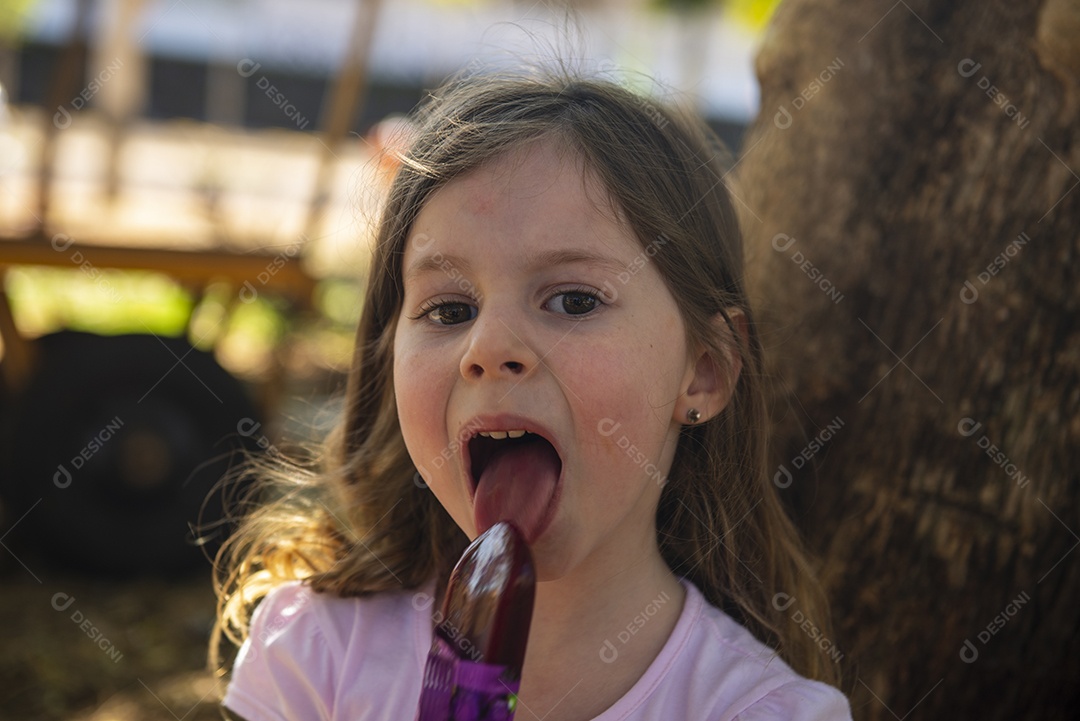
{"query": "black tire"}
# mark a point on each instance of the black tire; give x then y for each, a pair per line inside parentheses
(122, 438)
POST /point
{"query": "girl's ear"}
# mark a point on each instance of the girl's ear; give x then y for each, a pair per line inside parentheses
(710, 381)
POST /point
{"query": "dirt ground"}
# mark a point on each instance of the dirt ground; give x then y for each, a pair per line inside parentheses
(85, 649)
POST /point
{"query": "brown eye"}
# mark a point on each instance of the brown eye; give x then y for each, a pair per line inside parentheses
(573, 303)
(451, 313)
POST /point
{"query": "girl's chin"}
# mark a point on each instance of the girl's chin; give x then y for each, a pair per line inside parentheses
(554, 555)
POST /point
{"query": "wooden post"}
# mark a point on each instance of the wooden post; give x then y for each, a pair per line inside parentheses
(342, 105)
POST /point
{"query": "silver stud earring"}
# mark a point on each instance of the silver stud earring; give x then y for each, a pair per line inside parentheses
(693, 415)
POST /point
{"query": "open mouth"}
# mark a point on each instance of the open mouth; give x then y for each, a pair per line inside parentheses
(484, 450)
(514, 479)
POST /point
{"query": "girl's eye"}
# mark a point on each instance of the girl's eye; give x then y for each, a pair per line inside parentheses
(448, 313)
(574, 302)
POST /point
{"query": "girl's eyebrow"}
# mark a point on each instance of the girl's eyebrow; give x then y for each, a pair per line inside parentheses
(570, 256)
(548, 258)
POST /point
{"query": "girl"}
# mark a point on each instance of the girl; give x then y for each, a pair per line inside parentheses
(555, 332)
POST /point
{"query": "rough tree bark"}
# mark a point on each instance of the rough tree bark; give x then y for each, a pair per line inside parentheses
(910, 196)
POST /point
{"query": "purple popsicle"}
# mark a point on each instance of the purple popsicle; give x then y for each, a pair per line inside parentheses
(473, 670)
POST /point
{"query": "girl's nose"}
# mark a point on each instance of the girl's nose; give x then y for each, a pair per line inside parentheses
(495, 349)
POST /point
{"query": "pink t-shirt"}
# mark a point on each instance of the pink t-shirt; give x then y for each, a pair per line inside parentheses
(316, 656)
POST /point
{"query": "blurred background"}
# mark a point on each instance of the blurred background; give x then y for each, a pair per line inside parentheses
(187, 192)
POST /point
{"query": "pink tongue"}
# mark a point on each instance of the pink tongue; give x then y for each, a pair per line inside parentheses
(517, 485)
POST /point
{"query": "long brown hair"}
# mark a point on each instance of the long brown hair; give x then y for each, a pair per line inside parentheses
(362, 521)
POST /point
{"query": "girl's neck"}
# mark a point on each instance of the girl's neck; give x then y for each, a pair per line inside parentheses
(602, 628)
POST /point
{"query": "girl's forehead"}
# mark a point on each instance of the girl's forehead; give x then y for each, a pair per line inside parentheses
(543, 181)
(525, 170)
(521, 215)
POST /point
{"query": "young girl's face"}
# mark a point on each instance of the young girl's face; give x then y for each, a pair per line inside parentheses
(529, 306)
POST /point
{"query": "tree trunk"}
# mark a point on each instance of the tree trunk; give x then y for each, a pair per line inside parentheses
(910, 198)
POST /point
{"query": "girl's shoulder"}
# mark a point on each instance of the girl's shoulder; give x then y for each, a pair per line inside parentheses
(757, 682)
(305, 649)
(713, 668)
(293, 606)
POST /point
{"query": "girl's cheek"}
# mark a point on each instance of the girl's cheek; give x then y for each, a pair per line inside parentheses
(422, 384)
(594, 367)
(409, 381)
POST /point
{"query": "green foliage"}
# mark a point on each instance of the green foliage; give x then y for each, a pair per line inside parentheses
(681, 6)
(339, 301)
(243, 335)
(108, 302)
(754, 14)
(13, 15)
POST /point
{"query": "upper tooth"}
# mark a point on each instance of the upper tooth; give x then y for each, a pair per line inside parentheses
(500, 435)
